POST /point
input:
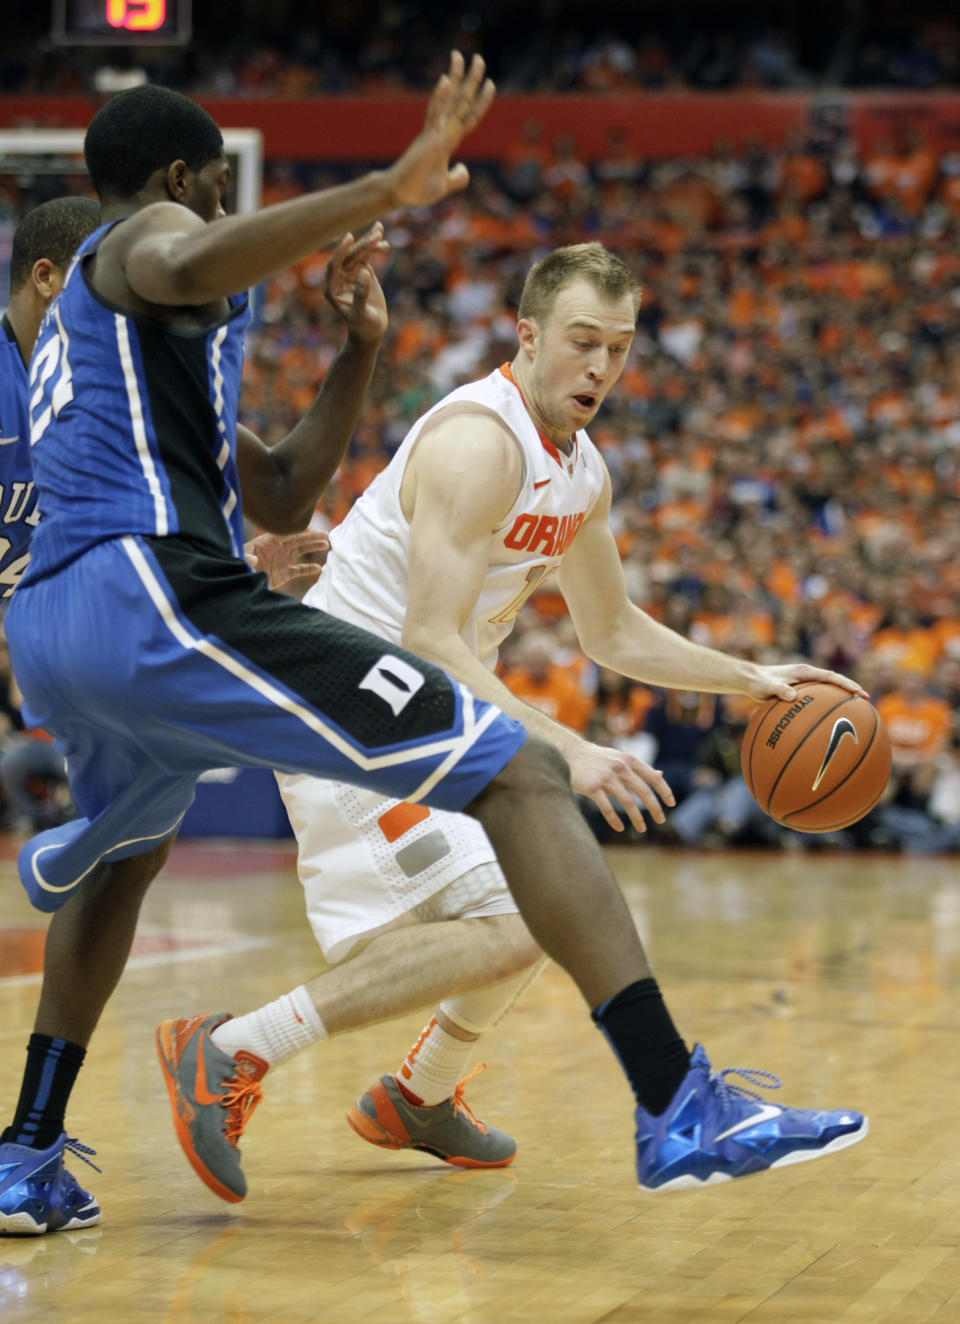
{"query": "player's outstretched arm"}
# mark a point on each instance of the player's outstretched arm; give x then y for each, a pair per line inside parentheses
(281, 484)
(197, 266)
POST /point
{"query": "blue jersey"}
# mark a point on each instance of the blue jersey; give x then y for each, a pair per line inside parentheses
(18, 500)
(132, 425)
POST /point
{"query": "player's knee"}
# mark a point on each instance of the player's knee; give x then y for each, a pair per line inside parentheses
(509, 945)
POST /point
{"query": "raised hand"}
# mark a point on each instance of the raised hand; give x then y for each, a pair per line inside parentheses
(604, 774)
(281, 559)
(351, 286)
(458, 103)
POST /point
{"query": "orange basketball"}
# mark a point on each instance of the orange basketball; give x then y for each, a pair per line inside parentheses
(819, 763)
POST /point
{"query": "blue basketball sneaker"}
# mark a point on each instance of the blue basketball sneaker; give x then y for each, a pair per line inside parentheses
(38, 1195)
(713, 1130)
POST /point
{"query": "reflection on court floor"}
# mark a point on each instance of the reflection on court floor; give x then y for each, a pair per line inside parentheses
(838, 972)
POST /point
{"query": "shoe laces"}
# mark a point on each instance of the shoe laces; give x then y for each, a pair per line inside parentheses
(731, 1093)
(81, 1152)
(241, 1096)
(460, 1104)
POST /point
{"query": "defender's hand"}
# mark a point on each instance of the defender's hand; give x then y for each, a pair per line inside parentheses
(281, 558)
(351, 286)
(458, 103)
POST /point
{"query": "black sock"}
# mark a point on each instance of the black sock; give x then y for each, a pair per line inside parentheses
(640, 1031)
(52, 1066)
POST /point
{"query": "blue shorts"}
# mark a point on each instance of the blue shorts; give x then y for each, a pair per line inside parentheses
(152, 661)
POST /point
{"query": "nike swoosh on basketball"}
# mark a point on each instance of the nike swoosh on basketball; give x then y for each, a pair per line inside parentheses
(8, 441)
(200, 1091)
(841, 727)
(767, 1111)
(542, 483)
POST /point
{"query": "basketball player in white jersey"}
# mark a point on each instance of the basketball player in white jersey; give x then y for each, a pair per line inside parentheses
(493, 490)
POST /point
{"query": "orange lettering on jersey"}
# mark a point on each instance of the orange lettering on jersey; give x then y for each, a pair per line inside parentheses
(547, 532)
(545, 535)
(519, 535)
(563, 534)
(568, 534)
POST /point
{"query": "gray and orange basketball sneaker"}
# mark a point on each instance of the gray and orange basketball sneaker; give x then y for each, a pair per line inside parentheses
(447, 1130)
(212, 1096)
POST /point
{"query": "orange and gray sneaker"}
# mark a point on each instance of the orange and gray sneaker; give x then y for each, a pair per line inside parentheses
(212, 1096)
(448, 1130)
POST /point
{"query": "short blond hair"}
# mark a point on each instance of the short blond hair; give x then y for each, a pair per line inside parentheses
(592, 262)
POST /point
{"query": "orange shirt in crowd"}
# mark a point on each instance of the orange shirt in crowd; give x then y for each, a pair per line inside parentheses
(557, 694)
(919, 647)
(917, 726)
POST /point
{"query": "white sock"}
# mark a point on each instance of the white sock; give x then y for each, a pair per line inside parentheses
(438, 1060)
(275, 1031)
(434, 1065)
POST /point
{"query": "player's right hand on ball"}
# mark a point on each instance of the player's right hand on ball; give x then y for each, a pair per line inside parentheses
(604, 774)
(777, 682)
(457, 104)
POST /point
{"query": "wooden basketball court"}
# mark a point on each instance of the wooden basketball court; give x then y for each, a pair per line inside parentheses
(838, 971)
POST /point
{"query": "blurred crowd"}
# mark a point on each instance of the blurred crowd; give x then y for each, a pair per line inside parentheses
(296, 49)
(784, 444)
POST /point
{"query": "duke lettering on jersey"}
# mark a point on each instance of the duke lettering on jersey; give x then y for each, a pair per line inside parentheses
(19, 513)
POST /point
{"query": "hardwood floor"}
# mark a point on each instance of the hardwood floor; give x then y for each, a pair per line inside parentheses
(840, 972)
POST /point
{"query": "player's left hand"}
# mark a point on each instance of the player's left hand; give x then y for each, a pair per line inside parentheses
(351, 286)
(778, 682)
(282, 559)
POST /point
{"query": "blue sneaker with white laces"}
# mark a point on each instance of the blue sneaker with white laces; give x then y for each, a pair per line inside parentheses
(713, 1130)
(38, 1195)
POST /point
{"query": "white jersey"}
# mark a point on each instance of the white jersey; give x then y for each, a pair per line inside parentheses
(368, 864)
(365, 576)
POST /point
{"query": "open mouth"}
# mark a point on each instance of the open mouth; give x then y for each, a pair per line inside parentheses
(586, 401)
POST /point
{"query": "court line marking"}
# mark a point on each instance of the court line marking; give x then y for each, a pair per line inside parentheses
(151, 959)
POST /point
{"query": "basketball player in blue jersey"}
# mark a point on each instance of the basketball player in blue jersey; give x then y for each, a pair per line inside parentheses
(170, 656)
(43, 244)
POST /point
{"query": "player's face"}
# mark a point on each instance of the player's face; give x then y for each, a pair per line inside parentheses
(579, 353)
(206, 189)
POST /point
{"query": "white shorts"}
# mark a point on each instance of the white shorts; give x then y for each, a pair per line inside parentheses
(367, 863)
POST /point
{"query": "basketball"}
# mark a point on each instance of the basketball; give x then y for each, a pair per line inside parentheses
(819, 763)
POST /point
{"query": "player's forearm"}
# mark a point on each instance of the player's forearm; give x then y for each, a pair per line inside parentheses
(232, 254)
(643, 649)
(455, 657)
(311, 453)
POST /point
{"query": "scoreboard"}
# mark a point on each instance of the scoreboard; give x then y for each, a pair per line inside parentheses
(121, 22)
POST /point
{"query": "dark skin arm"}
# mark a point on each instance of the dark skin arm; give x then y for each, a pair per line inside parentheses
(167, 258)
(281, 484)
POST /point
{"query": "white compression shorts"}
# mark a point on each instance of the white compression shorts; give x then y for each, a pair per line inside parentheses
(367, 863)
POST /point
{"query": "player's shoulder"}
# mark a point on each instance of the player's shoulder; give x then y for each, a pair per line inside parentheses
(156, 218)
(470, 425)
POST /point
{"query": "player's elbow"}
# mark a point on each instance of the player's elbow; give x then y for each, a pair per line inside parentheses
(427, 643)
(277, 508)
